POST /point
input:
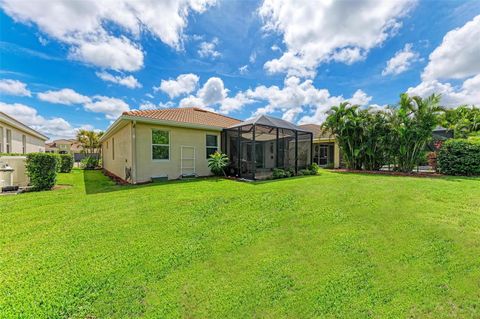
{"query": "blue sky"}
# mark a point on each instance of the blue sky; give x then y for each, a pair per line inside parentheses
(80, 64)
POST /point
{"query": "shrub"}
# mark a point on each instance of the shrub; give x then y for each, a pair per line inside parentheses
(42, 170)
(217, 162)
(89, 162)
(305, 172)
(11, 154)
(314, 168)
(66, 163)
(459, 157)
(278, 173)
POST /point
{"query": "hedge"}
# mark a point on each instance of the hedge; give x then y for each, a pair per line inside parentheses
(42, 170)
(459, 157)
(66, 163)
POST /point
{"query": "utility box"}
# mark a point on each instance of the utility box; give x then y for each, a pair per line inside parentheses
(18, 176)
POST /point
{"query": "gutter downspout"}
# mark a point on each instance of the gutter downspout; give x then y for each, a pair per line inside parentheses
(134, 152)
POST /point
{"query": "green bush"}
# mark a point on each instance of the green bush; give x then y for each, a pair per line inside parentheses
(278, 173)
(42, 170)
(66, 163)
(459, 157)
(90, 162)
(11, 154)
(217, 162)
(305, 172)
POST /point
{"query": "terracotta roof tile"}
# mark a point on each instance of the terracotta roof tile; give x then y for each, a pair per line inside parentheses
(316, 130)
(191, 115)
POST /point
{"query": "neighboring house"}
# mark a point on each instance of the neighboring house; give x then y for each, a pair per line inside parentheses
(66, 146)
(16, 137)
(170, 143)
(326, 151)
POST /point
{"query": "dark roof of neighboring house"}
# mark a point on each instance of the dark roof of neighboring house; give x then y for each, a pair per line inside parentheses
(271, 121)
(190, 115)
(316, 130)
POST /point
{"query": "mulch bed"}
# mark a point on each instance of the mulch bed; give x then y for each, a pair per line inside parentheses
(391, 173)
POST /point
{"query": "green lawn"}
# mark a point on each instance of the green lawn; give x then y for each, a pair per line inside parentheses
(334, 245)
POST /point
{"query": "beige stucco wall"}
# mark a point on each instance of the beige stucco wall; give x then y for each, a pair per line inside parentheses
(121, 144)
(34, 144)
(20, 177)
(147, 167)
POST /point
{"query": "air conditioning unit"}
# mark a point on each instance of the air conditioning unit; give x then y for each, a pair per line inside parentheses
(6, 178)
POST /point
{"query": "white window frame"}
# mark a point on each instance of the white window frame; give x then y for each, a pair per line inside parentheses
(207, 147)
(169, 145)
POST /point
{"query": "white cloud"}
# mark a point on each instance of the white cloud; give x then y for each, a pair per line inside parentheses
(253, 57)
(213, 94)
(63, 96)
(293, 99)
(349, 55)
(316, 32)
(111, 107)
(276, 48)
(213, 91)
(183, 84)
(297, 97)
(54, 128)
(467, 93)
(243, 69)
(148, 105)
(236, 103)
(401, 61)
(128, 81)
(208, 49)
(81, 25)
(457, 57)
(109, 52)
(14, 87)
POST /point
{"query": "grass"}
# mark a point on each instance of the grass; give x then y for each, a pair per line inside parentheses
(334, 245)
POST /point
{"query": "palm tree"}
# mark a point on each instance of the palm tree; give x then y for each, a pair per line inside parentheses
(413, 123)
(89, 140)
(344, 122)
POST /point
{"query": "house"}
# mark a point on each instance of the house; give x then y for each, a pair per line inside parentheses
(169, 143)
(326, 151)
(67, 146)
(16, 137)
(64, 146)
(141, 146)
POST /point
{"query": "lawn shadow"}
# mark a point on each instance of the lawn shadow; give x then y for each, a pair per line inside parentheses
(96, 182)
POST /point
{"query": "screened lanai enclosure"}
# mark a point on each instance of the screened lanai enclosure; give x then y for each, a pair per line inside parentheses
(257, 146)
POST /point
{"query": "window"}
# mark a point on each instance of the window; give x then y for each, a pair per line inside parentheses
(113, 148)
(212, 144)
(24, 144)
(160, 145)
(8, 144)
(1, 139)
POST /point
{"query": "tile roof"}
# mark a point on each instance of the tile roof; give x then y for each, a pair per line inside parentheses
(190, 115)
(316, 130)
